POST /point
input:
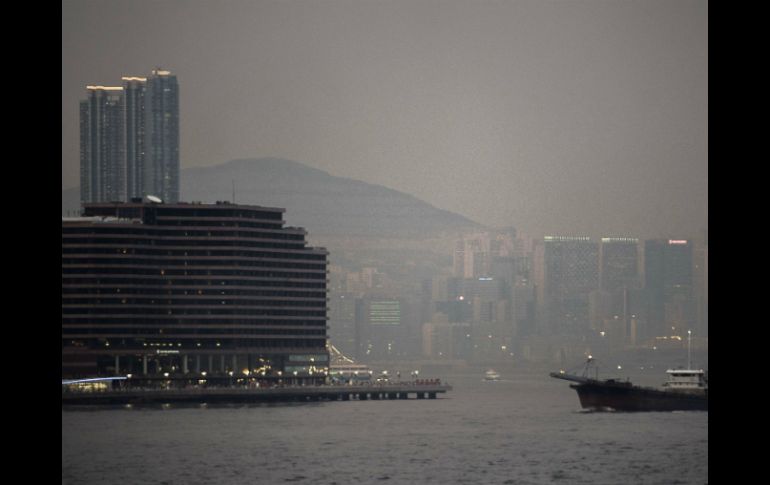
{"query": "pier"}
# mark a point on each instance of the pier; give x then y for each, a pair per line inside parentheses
(395, 391)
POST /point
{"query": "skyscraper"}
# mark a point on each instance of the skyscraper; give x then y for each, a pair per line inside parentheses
(566, 271)
(134, 89)
(102, 147)
(618, 266)
(668, 280)
(618, 305)
(161, 175)
(129, 140)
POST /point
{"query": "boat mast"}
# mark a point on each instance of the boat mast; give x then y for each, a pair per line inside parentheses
(689, 339)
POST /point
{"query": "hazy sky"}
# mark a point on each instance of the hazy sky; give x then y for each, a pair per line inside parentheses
(579, 117)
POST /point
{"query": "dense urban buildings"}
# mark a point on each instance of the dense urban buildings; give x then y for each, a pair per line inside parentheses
(129, 140)
(505, 298)
(183, 289)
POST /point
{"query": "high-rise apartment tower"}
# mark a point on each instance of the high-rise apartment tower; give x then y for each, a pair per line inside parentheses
(102, 146)
(129, 140)
(161, 176)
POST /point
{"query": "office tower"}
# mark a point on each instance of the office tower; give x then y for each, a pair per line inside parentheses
(566, 270)
(134, 89)
(102, 149)
(618, 263)
(151, 288)
(161, 174)
(668, 281)
(616, 304)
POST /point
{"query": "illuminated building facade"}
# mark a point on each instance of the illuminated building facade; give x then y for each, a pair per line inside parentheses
(186, 289)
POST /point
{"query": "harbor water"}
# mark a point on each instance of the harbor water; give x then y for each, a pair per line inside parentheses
(525, 428)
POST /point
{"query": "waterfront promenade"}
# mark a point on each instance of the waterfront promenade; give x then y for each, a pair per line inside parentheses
(391, 391)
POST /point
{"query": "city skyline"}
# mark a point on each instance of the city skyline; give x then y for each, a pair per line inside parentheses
(585, 117)
(369, 241)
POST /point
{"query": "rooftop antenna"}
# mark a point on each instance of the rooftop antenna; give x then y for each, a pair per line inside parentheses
(689, 339)
(233, 191)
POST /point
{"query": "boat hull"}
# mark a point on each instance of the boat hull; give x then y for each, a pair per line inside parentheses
(625, 397)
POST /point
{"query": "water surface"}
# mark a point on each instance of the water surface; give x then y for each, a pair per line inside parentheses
(525, 429)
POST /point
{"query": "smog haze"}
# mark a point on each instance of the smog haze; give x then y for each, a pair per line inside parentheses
(582, 118)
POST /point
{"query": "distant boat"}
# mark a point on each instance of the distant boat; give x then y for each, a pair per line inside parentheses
(685, 390)
(491, 375)
(344, 369)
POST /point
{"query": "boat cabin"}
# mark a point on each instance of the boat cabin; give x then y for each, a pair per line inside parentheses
(685, 379)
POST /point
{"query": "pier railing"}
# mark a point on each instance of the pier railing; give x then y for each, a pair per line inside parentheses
(375, 391)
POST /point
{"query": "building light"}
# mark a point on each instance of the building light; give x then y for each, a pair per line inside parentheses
(105, 88)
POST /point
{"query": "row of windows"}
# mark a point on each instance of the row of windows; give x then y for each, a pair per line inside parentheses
(212, 263)
(155, 233)
(185, 212)
(226, 322)
(161, 291)
(267, 243)
(191, 322)
(275, 273)
(130, 281)
(267, 302)
(186, 333)
(163, 212)
(134, 310)
(226, 344)
(217, 223)
(134, 250)
(125, 323)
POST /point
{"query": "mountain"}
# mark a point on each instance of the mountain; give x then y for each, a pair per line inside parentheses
(313, 199)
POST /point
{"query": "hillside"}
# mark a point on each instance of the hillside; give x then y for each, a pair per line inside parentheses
(314, 199)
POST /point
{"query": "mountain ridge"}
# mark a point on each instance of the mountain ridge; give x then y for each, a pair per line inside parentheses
(314, 199)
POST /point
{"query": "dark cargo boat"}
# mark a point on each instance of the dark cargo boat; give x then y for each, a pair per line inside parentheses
(686, 390)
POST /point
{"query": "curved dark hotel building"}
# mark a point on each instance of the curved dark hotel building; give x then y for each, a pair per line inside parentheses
(186, 289)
